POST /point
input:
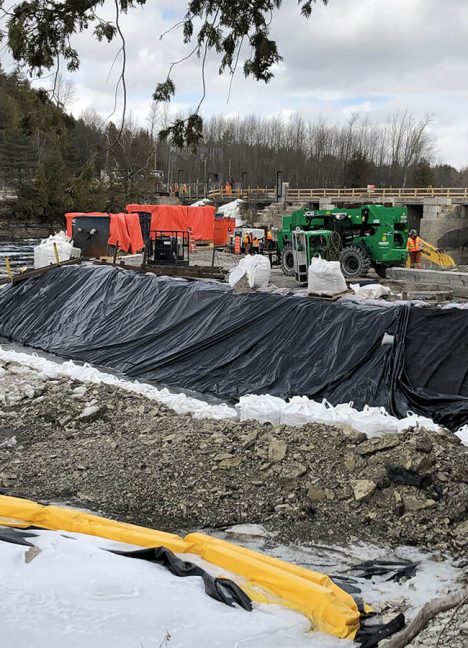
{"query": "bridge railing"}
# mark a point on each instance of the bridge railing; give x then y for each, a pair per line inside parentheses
(314, 193)
(378, 192)
(197, 190)
(247, 193)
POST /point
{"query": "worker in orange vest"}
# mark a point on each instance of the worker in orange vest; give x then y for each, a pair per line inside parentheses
(414, 247)
(247, 241)
(269, 239)
(255, 245)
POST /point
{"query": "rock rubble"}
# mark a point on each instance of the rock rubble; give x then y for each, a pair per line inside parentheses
(117, 453)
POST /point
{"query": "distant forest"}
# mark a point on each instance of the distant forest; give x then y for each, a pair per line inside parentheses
(55, 163)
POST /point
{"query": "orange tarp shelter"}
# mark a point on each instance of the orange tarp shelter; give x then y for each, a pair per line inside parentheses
(124, 229)
(223, 228)
(199, 220)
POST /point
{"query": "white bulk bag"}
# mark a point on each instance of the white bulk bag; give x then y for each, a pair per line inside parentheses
(260, 272)
(265, 409)
(256, 267)
(44, 253)
(325, 278)
(371, 291)
(236, 275)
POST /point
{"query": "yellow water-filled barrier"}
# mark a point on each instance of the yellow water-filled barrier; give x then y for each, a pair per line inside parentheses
(329, 608)
(264, 578)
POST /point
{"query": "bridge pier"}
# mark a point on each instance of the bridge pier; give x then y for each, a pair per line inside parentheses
(446, 226)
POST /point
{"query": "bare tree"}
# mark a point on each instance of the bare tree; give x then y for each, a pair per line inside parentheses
(91, 117)
(63, 91)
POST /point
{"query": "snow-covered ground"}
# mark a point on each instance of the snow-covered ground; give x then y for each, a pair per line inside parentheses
(74, 594)
(432, 577)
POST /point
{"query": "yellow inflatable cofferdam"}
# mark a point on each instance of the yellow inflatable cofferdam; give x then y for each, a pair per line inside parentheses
(265, 579)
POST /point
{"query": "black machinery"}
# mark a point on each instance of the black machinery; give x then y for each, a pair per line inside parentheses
(90, 233)
(167, 247)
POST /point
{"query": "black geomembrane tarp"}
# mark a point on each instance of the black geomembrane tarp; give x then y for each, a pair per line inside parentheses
(201, 336)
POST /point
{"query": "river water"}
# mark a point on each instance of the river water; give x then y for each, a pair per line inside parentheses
(20, 253)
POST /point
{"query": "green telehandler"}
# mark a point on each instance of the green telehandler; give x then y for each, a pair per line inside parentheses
(368, 236)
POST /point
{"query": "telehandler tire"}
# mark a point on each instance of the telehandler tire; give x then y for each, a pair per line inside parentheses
(355, 262)
(381, 270)
(287, 260)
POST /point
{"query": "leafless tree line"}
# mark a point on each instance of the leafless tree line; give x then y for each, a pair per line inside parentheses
(252, 149)
(312, 153)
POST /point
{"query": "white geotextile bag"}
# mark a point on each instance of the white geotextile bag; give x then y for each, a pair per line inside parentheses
(256, 267)
(414, 421)
(236, 275)
(373, 421)
(462, 434)
(301, 410)
(265, 409)
(44, 253)
(372, 291)
(325, 278)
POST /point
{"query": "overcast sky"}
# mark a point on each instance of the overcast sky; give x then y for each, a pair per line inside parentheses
(367, 56)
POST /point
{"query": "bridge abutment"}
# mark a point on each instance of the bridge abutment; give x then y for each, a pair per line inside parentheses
(446, 226)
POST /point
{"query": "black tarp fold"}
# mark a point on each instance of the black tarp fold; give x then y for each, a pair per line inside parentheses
(201, 336)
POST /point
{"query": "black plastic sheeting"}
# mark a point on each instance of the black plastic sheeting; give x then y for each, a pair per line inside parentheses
(201, 336)
(220, 589)
(223, 590)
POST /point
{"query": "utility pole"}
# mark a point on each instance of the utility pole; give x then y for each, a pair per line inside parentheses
(243, 183)
(279, 188)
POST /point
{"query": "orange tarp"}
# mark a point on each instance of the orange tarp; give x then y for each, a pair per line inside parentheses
(223, 228)
(118, 232)
(136, 207)
(170, 217)
(200, 220)
(124, 229)
(134, 231)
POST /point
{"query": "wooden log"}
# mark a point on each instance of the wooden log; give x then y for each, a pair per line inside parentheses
(428, 612)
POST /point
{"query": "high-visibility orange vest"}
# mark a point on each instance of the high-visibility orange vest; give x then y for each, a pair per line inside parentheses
(414, 245)
(246, 239)
(255, 242)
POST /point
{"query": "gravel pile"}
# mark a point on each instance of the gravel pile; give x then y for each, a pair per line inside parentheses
(448, 629)
(112, 451)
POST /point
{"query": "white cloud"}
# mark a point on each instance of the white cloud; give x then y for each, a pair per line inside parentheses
(369, 56)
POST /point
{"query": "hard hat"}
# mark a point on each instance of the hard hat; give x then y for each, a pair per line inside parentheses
(413, 232)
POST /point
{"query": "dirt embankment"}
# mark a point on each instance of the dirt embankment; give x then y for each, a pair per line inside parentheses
(126, 456)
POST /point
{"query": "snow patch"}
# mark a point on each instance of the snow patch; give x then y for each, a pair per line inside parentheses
(74, 594)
